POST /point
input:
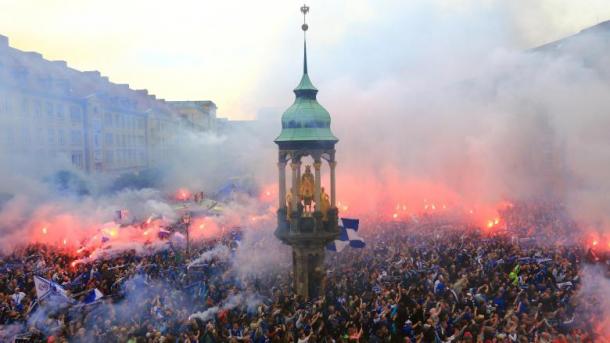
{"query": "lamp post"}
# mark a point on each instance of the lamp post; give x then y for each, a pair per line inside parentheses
(186, 220)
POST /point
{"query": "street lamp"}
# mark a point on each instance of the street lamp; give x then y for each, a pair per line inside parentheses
(186, 220)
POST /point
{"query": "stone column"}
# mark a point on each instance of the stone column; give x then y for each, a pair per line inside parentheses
(317, 191)
(282, 184)
(301, 271)
(295, 184)
(333, 192)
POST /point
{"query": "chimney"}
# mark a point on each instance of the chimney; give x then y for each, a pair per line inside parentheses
(93, 73)
(63, 64)
(3, 41)
(34, 54)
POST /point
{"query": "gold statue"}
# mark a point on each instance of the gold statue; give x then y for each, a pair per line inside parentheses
(289, 205)
(325, 205)
(306, 190)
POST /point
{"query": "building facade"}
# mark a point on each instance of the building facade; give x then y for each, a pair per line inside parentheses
(49, 110)
(197, 115)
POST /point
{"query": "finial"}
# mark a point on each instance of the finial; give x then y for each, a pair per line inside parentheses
(305, 10)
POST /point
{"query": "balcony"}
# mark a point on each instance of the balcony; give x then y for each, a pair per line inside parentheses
(310, 230)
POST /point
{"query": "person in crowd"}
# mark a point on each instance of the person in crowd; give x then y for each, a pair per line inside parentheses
(412, 283)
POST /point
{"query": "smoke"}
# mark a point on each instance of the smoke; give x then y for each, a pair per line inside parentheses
(248, 301)
(260, 252)
(8, 332)
(435, 117)
(220, 252)
(506, 126)
(205, 161)
(593, 299)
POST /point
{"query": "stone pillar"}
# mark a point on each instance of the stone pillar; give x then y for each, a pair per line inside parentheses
(317, 190)
(282, 185)
(301, 271)
(295, 184)
(308, 269)
(333, 192)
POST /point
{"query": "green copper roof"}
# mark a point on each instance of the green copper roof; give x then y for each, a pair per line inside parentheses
(305, 84)
(306, 119)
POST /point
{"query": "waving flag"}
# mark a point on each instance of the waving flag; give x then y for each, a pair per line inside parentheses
(45, 288)
(93, 296)
(164, 234)
(348, 235)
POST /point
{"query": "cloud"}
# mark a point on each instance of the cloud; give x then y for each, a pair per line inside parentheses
(228, 51)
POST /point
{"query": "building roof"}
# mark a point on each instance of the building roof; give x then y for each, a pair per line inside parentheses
(306, 120)
(31, 72)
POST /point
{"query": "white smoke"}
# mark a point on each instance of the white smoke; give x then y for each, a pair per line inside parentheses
(220, 252)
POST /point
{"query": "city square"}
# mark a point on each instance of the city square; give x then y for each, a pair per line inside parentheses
(439, 173)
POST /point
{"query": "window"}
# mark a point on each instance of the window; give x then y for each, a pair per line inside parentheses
(59, 112)
(25, 135)
(108, 139)
(108, 120)
(97, 156)
(61, 137)
(7, 105)
(8, 135)
(25, 106)
(75, 115)
(76, 137)
(108, 157)
(37, 109)
(51, 136)
(97, 140)
(77, 158)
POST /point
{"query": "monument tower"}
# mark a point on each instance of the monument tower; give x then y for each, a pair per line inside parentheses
(307, 216)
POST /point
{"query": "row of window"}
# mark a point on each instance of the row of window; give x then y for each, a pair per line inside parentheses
(124, 140)
(61, 112)
(125, 157)
(53, 111)
(26, 136)
(123, 121)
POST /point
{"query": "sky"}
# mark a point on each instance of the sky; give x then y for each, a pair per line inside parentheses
(246, 55)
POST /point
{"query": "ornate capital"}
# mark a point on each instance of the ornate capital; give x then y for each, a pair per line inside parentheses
(317, 165)
(332, 164)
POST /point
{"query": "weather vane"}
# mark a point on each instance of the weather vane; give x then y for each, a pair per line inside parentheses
(305, 10)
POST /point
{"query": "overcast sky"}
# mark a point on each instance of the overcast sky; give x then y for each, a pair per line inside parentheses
(246, 55)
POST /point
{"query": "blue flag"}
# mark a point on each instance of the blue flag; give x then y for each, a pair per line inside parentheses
(348, 235)
(93, 296)
(45, 288)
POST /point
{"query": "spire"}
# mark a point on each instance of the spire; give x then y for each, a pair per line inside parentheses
(305, 27)
(305, 89)
(306, 120)
(304, 56)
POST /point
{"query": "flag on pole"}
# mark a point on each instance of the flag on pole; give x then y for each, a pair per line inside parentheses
(122, 214)
(348, 235)
(93, 296)
(164, 234)
(45, 288)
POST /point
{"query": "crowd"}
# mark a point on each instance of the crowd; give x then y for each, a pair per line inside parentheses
(408, 285)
